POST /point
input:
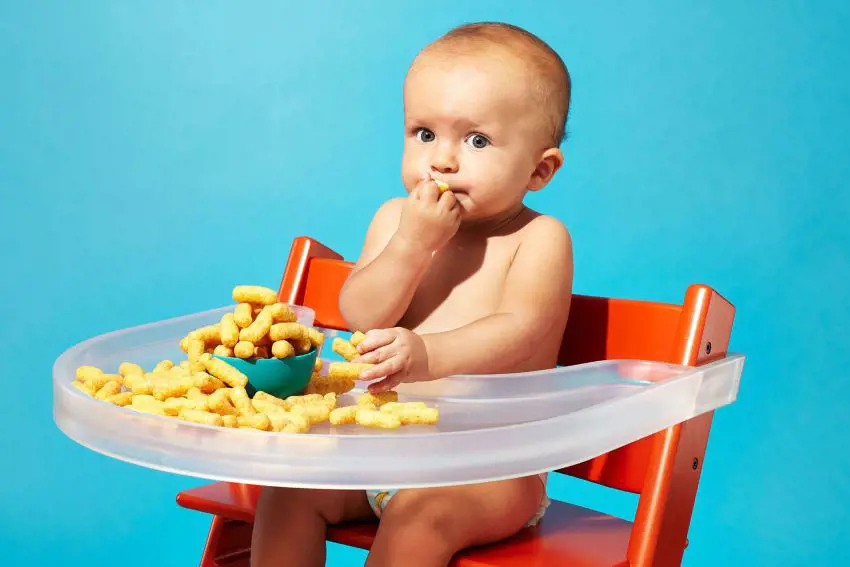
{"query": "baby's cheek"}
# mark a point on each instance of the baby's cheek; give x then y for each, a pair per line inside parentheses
(414, 165)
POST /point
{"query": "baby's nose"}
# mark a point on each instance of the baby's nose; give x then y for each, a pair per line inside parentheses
(444, 159)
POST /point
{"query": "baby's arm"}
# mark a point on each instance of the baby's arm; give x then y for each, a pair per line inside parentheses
(398, 250)
(382, 283)
(535, 302)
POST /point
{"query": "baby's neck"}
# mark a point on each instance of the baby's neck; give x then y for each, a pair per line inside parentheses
(493, 225)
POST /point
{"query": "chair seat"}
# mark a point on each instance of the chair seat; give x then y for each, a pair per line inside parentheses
(567, 535)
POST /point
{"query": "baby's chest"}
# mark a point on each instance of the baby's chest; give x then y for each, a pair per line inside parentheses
(462, 284)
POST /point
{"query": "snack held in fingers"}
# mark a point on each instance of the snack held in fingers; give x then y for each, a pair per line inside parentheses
(356, 338)
(349, 370)
(345, 349)
(442, 186)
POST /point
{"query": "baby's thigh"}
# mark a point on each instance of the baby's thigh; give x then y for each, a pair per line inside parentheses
(475, 514)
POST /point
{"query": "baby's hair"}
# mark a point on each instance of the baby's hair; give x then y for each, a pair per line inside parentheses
(552, 77)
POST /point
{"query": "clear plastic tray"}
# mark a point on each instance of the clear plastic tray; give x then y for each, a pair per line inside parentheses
(490, 428)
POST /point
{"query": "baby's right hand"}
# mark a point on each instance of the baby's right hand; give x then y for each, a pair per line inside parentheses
(428, 219)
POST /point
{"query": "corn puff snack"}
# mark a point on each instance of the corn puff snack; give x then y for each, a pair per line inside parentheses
(263, 396)
(442, 186)
(229, 421)
(95, 378)
(88, 373)
(344, 416)
(127, 368)
(373, 418)
(377, 399)
(172, 388)
(356, 338)
(293, 401)
(148, 404)
(284, 422)
(344, 348)
(255, 421)
(140, 385)
(316, 336)
(243, 349)
(302, 346)
(163, 366)
(109, 389)
(219, 402)
(122, 399)
(222, 350)
(348, 370)
(267, 407)
(261, 351)
(317, 366)
(204, 383)
(258, 329)
(196, 349)
(240, 400)
(228, 330)
(288, 331)
(207, 334)
(84, 387)
(416, 416)
(327, 384)
(195, 393)
(281, 313)
(393, 407)
(282, 349)
(173, 406)
(255, 294)
(243, 315)
(200, 416)
(224, 372)
(315, 413)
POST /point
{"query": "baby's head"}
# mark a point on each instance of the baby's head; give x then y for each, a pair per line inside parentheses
(485, 110)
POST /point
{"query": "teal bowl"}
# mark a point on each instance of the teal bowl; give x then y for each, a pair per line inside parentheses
(278, 377)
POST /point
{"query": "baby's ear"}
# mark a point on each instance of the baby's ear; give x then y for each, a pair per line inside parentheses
(550, 162)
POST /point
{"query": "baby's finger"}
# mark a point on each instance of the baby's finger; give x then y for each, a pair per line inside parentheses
(429, 193)
(386, 368)
(376, 339)
(376, 356)
(386, 384)
(447, 201)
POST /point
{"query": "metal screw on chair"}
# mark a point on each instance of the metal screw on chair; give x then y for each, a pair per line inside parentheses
(695, 464)
(708, 347)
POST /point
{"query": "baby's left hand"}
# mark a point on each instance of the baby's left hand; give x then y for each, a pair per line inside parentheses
(399, 356)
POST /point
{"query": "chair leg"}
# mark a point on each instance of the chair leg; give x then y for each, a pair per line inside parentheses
(228, 544)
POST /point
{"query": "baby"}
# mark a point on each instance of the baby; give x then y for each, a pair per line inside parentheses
(462, 281)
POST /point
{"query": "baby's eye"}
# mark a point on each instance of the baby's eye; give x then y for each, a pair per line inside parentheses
(425, 135)
(478, 141)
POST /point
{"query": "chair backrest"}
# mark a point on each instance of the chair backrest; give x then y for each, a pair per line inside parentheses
(663, 468)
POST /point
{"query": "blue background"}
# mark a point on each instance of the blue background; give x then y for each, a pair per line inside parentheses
(152, 155)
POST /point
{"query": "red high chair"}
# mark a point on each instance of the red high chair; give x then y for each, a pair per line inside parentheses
(664, 468)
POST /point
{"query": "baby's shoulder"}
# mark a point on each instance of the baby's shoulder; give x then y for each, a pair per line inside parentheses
(544, 229)
(388, 214)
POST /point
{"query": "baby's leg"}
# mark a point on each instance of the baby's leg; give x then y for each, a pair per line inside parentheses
(426, 527)
(290, 524)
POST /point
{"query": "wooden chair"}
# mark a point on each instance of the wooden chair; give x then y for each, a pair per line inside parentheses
(664, 468)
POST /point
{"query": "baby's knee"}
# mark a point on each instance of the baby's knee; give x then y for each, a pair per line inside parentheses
(427, 518)
(282, 502)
